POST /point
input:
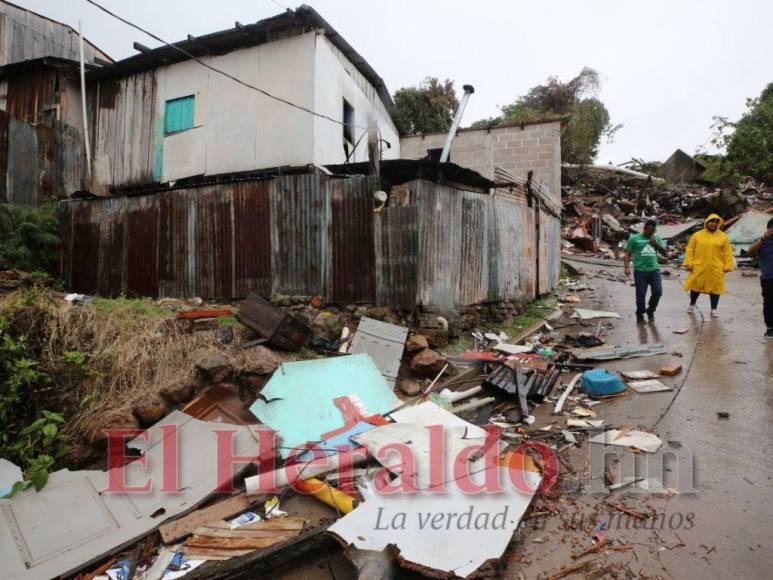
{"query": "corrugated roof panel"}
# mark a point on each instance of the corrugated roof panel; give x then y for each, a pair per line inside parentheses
(396, 233)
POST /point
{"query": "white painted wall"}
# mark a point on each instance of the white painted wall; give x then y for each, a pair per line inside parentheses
(336, 79)
(237, 128)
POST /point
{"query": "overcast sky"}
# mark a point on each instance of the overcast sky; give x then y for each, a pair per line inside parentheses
(667, 66)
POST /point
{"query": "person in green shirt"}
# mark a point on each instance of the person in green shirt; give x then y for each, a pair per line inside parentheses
(644, 248)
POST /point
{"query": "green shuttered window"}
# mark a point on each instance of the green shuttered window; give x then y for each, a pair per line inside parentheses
(179, 114)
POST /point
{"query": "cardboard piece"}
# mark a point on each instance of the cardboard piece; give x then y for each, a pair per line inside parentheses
(298, 401)
(649, 386)
(419, 524)
(648, 442)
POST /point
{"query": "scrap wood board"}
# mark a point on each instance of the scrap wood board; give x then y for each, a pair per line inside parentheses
(177, 529)
(221, 538)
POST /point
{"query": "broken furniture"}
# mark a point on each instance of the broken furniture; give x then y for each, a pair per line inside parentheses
(282, 331)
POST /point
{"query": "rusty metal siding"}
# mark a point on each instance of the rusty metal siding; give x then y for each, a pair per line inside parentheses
(440, 246)
(300, 219)
(142, 220)
(550, 252)
(111, 247)
(25, 35)
(85, 249)
(123, 131)
(214, 243)
(396, 233)
(39, 162)
(511, 250)
(352, 241)
(252, 238)
(474, 250)
(35, 96)
(439, 242)
(173, 247)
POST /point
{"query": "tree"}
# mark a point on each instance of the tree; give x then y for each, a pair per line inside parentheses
(749, 141)
(588, 122)
(428, 108)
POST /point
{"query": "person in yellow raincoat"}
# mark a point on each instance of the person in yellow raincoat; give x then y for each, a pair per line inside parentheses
(709, 257)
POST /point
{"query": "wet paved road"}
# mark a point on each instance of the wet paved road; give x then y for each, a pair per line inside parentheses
(726, 523)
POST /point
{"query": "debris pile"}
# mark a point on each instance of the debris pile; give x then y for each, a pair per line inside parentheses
(335, 444)
(602, 206)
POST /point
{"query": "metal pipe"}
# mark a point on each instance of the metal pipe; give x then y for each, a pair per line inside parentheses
(468, 90)
(83, 103)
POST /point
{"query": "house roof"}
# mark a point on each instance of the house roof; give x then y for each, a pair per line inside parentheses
(304, 18)
(47, 62)
(563, 119)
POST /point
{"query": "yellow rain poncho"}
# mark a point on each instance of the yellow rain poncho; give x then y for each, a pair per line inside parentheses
(710, 255)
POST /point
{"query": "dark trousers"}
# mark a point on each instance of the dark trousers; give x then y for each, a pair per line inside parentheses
(642, 281)
(713, 298)
(767, 300)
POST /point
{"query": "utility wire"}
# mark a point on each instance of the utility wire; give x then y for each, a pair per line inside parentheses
(217, 70)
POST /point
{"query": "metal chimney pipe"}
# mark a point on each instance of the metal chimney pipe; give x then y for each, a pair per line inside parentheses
(468, 90)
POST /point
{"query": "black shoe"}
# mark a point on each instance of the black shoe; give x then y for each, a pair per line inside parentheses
(639, 319)
(651, 314)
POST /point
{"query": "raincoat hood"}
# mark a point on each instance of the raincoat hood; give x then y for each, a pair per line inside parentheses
(714, 217)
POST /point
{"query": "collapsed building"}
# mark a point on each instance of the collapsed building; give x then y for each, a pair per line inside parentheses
(200, 185)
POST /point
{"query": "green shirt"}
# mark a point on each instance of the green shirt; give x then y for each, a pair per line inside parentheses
(645, 256)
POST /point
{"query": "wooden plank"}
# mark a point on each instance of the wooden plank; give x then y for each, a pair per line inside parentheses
(182, 527)
(262, 534)
(259, 564)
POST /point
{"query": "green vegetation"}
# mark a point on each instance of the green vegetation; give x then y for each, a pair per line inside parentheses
(28, 237)
(576, 99)
(130, 310)
(748, 141)
(428, 108)
(31, 435)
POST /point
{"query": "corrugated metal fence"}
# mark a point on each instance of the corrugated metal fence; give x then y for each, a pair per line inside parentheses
(311, 234)
(38, 162)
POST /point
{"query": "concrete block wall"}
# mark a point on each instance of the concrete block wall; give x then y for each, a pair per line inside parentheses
(517, 149)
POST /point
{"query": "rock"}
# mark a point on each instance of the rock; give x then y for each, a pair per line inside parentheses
(427, 363)
(317, 301)
(261, 361)
(671, 370)
(150, 409)
(225, 334)
(411, 387)
(416, 342)
(328, 324)
(178, 391)
(214, 368)
(118, 419)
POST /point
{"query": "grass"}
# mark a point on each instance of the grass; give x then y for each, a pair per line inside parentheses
(130, 309)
